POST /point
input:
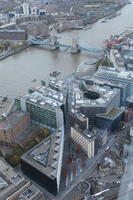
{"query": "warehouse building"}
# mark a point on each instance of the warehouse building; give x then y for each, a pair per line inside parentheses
(13, 35)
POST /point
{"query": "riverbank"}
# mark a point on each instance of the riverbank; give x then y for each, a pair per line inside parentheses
(78, 24)
(18, 71)
(15, 51)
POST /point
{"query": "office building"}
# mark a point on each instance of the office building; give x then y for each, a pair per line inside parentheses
(125, 77)
(14, 186)
(45, 161)
(110, 120)
(26, 9)
(58, 85)
(79, 119)
(94, 99)
(12, 126)
(85, 139)
(111, 84)
(46, 106)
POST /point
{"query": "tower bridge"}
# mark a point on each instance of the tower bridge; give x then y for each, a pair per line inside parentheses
(77, 46)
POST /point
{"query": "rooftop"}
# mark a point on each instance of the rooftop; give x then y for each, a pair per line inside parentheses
(10, 181)
(11, 120)
(30, 193)
(45, 155)
(86, 133)
(12, 31)
(103, 82)
(102, 95)
(130, 99)
(7, 25)
(61, 84)
(113, 113)
(127, 75)
(44, 96)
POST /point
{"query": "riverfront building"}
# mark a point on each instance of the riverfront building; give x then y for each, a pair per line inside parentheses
(46, 106)
(12, 126)
(124, 77)
(45, 161)
(14, 186)
(13, 35)
(58, 85)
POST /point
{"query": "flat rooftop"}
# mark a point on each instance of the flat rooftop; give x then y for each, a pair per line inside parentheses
(12, 31)
(100, 81)
(10, 181)
(43, 96)
(109, 73)
(61, 84)
(113, 113)
(45, 156)
(86, 133)
(11, 120)
(105, 93)
(130, 99)
(30, 193)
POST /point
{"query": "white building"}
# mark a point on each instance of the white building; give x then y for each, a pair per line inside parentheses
(26, 9)
(85, 140)
(34, 11)
(131, 131)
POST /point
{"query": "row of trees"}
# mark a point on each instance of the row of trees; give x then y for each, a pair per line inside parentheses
(18, 150)
(4, 46)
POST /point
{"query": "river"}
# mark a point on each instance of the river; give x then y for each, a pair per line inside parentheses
(18, 71)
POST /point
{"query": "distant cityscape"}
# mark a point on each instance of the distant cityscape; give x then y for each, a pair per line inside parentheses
(67, 138)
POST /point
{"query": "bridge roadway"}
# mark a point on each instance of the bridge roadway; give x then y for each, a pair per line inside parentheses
(46, 44)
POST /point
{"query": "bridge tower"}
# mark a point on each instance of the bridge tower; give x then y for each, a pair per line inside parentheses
(54, 39)
(75, 46)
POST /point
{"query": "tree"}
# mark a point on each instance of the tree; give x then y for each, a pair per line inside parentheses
(121, 124)
(104, 62)
(45, 132)
(31, 144)
(14, 160)
(18, 150)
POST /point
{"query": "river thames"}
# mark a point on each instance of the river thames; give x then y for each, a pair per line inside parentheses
(18, 71)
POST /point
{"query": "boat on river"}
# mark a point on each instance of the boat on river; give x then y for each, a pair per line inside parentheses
(55, 73)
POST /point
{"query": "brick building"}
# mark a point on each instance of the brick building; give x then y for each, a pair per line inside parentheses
(12, 126)
(13, 35)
